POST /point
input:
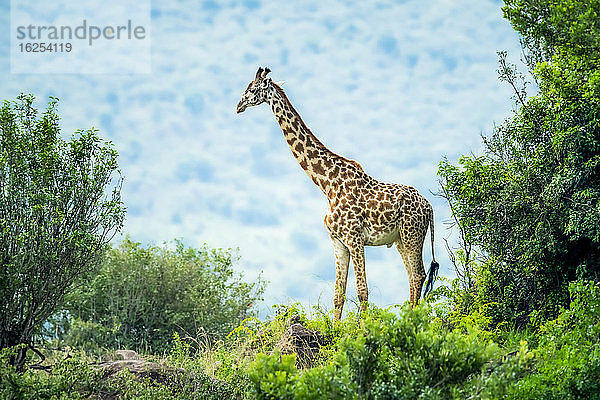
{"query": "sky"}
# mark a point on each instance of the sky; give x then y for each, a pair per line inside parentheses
(396, 85)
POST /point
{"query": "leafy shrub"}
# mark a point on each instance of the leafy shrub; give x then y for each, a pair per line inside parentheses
(90, 336)
(568, 355)
(410, 355)
(76, 378)
(142, 295)
(274, 376)
(60, 205)
(71, 378)
(387, 354)
(327, 382)
(531, 202)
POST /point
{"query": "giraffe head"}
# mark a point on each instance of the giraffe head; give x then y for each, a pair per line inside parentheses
(257, 91)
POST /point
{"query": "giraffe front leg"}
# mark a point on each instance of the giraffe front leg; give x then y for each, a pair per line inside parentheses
(342, 261)
(357, 252)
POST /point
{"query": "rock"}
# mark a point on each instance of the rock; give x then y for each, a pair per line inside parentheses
(127, 355)
(174, 378)
(139, 368)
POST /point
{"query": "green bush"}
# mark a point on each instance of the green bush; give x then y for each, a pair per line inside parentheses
(60, 205)
(71, 378)
(327, 382)
(76, 378)
(568, 356)
(409, 355)
(274, 376)
(142, 295)
(90, 336)
(400, 353)
(530, 203)
(412, 355)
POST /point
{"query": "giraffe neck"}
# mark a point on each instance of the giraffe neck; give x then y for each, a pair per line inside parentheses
(314, 158)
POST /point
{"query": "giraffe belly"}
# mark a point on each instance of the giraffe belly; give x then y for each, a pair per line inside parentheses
(379, 238)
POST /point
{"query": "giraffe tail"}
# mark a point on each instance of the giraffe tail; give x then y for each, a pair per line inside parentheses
(434, 267)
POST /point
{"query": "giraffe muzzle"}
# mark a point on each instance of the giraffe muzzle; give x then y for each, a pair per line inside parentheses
(240, 107)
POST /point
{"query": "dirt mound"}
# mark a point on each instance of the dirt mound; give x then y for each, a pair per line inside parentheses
(301, 341)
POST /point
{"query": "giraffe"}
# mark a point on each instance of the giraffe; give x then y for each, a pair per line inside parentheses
(362, 211)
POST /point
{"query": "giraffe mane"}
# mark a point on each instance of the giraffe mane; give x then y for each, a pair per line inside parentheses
(281, 92)
(302, 123)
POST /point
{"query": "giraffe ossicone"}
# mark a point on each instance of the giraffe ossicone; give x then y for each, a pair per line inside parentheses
(362, 211)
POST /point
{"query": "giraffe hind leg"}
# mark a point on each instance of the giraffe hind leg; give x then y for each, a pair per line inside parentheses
(413, 262)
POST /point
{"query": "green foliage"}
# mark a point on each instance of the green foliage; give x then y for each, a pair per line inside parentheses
(72, 378)
(549, 27)
(142, 295)
(57, 213)
(498, 378)
(405, 354)
(385, 356)
(410, 355)
(76, 378)
(568, 356)
(413, 355)
(90, 336)
(274, 376)
(327, 382)
(530, 204)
